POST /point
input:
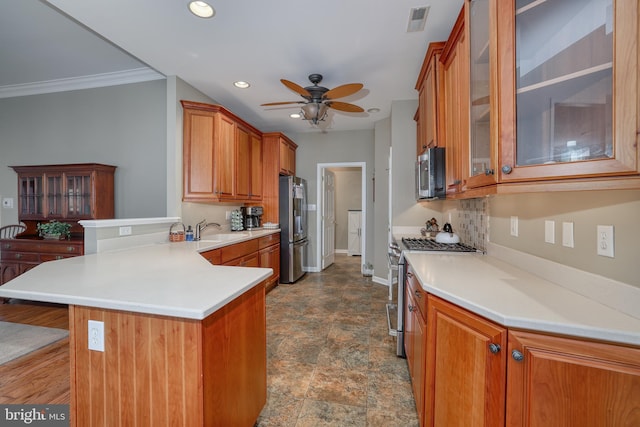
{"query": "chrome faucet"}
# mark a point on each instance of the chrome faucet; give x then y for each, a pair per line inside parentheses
(201, 226)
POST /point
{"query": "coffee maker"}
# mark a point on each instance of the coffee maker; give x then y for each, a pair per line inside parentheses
(252, 217)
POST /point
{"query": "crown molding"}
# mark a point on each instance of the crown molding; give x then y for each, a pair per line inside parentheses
(84, 82)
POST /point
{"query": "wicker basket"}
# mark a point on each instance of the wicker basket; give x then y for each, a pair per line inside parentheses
(176, 232)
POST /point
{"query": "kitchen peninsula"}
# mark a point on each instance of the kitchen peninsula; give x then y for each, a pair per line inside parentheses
(184, 341)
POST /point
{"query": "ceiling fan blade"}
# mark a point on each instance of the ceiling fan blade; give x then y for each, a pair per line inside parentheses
(344, 90)
(344, 106)
(281, 103)
(296, 88)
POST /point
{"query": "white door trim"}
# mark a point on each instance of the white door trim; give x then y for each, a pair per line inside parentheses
(319, 189)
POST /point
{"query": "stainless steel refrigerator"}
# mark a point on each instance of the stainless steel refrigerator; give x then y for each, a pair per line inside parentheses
(293, 226)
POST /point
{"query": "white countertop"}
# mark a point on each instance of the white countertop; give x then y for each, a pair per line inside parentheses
(515, 298)
(168, 279)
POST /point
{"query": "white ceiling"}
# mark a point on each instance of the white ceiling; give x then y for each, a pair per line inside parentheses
(259, 41)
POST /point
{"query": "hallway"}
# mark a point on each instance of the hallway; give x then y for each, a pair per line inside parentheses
(330, 360)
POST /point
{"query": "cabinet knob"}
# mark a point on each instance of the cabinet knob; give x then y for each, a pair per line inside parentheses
(410, 274)
(71, 248)
(488, 172)
(18, 256)
(507, 169)
(59, 257)
(494, 348)
(7, 246)
(411, 307)
(517, 356)
(417, 293)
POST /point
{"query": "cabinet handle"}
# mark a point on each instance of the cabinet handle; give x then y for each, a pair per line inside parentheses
(507, 169)
(7, 246)
(494, 348)
(417, 293)
(517, 356)
(70, 249)
(59, 257)
(18, 256)
(411, 307)
(410, 275)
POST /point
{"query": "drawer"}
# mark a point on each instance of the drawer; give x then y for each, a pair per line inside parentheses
(227, 253)
(20, 256)
(19, 246)
(251, 260)
(62, 248)
(269, 240)
(415, 289)
(53, 257)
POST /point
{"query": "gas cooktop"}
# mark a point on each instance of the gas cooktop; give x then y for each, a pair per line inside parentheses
(426, 244)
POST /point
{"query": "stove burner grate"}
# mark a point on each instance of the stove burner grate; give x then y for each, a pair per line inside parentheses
(424, 244)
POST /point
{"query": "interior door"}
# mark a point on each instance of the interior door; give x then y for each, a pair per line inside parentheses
(328, 218)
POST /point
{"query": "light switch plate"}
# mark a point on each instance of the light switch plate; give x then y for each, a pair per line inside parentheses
(567, 234)
(550, 232)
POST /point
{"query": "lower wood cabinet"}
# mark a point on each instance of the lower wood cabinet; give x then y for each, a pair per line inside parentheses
(415, 339)
(260, 252)
(469, 371)
(466, 368)
(564, 381)
(168, 371)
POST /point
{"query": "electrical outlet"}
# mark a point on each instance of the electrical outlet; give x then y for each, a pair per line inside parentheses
(96, 335)
(125, 231)
(567, 234)
(514, 226)
(605, 240)
(550, 232)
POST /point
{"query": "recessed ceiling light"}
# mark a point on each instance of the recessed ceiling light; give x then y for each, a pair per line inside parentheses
(373, 110)
(240, 84)
(201, 9)
(295, 115)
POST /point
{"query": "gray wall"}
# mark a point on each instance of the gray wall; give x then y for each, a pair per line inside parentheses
(119, 125)
(334, 147)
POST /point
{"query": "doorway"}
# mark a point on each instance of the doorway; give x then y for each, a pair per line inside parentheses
(327, 188)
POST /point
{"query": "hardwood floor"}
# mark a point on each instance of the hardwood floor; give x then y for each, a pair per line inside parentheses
(41, 376)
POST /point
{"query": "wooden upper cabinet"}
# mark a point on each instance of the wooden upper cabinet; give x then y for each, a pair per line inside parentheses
(65, 192)
(568, 92)
(278, 158)
(571, 382)
(221, 155)
(455, 101)
(480, 16)
(287, 156)
(466, 367)
(429, 117)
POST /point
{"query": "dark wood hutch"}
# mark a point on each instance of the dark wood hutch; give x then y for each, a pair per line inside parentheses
(67, 193)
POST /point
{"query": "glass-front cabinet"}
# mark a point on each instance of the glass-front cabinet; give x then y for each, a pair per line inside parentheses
(568, 85)
(479, 17)
(70, 192)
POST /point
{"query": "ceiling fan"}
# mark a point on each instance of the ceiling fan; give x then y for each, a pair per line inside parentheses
(319, 99)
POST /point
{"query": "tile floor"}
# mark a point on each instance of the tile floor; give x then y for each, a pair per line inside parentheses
(330, 359)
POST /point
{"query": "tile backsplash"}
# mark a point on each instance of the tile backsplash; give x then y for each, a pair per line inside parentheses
(472, 222)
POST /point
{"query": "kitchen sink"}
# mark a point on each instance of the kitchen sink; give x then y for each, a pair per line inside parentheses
(223, 237)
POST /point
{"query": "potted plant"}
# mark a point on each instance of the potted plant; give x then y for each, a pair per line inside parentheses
(54, 230)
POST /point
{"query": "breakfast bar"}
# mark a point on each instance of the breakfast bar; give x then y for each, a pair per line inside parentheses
(177, 341)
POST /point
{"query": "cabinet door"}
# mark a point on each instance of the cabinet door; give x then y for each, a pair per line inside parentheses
(225, 165)
(8, 271)
(30, 196)
(414, 336)
(480, 19)
(569, 80)
(287, 158)
(270, 258)
(199, 156)
(55, 195)
(571, 382)
(466, 367)
(78, 196)
(256, 167)
(243, 163)
(456, 102)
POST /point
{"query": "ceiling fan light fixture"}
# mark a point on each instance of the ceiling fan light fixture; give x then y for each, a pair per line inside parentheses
(314, 112)
(201, 9)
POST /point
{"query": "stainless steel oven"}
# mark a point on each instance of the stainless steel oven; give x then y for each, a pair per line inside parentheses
(395, 310)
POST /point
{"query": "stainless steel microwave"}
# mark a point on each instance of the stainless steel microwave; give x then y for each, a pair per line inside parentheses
(430, 175)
